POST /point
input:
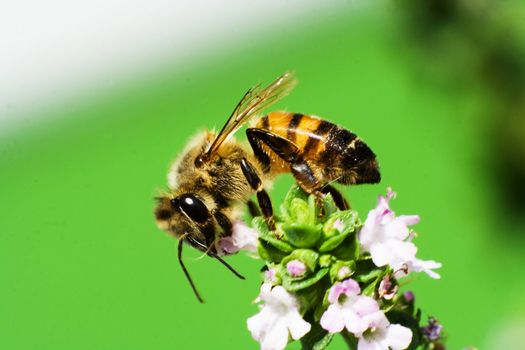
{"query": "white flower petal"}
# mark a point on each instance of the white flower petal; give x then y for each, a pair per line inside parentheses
(388, 239)
(396, 229)
(277, 319)
(364, 305)
(355, 323)
(378, 320)
(281, 296)
(333, 319)
(260, 323)
(425, 266)
(381, 255)
(367, 236)
(298, 327)
(243, 238)
(276, 338)
(401, 251)
(409, 220)
(266, 291)
(364, 344)
(398, 337)
(389, 337)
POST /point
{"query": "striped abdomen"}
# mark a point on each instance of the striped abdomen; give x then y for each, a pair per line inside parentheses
(331, 152)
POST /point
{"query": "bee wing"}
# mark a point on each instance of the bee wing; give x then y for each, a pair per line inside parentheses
(255, 100)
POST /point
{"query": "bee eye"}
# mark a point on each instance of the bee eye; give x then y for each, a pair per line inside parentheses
(192, 206)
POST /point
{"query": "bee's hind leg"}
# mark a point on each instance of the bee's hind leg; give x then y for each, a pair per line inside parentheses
(301, 170)
(262, 196)
(339, 200)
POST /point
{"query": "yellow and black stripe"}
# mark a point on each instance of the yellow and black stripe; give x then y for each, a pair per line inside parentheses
(325, 145)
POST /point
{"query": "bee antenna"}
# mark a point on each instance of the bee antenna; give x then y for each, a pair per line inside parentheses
(188, 277)
(228, 266)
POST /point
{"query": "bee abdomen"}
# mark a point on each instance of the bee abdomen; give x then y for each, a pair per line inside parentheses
(308, 133)
(313, 136)
(326, 145)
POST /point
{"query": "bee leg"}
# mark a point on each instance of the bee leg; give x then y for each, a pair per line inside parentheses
(339, 200)
(258, 151)
(319, 196)
(262, 196)
(290, 153)
(253, 209)
(284, 148)
(187, 274)
(224, 222)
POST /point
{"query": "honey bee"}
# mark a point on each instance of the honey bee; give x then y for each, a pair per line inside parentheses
(216, 175)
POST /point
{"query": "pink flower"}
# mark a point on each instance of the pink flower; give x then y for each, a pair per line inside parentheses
(242, 238)
(388, 239)
(270, 276)
(348, 309)
(425, 266)
(295, 268)
(362, 316)
(278, 319)
(339, 225)
(387, 289)
(343, 272)
(384, 336)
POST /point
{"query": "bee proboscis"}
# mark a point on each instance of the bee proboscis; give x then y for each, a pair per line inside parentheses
(216, 175)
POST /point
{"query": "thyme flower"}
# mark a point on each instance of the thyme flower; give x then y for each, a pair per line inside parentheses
(326, 273)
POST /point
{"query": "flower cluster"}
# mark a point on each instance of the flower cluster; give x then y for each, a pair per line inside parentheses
(362, 316)
(327, 273)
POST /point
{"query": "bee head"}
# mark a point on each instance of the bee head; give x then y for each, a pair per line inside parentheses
(185, 215)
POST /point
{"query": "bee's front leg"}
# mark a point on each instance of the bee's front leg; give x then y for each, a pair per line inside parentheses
(262, 196)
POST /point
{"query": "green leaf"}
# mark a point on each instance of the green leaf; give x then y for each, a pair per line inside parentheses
(323, 342)
(329, 205)
(367, 271)
(313, 210)
(277, 243)
(326, 260)
(269, 237)
(331, 243)
(370, 289)
(270, 253)
(348, 249)
(309, 298)
(299, 212)
(334, 236)
(348, 218)
(295, 192)
(294, 286)
(300, 235)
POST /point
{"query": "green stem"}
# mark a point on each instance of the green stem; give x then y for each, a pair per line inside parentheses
(350, 340)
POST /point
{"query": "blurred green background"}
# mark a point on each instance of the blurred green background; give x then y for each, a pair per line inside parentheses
(436, 88)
